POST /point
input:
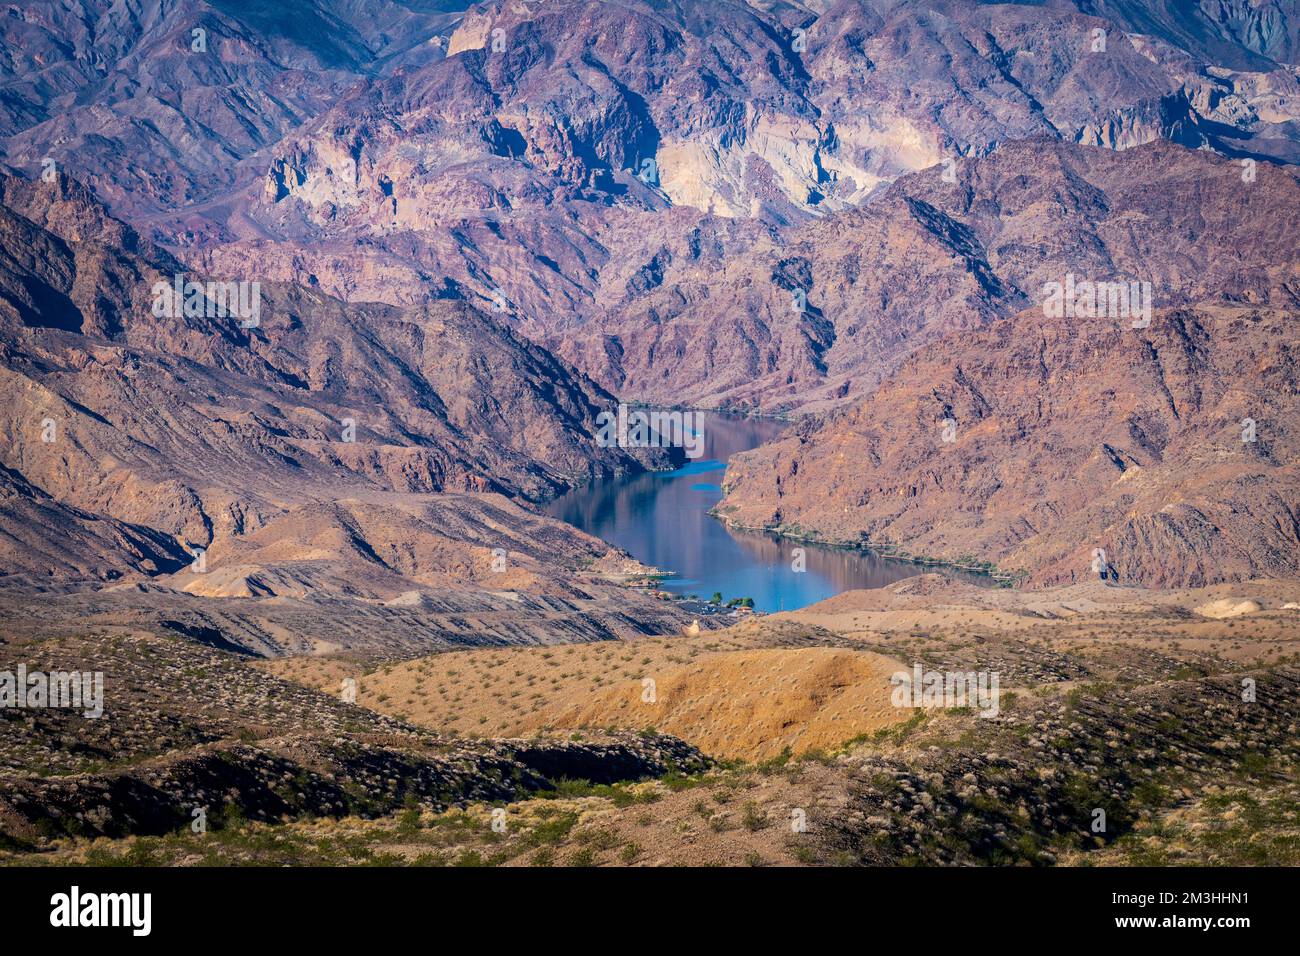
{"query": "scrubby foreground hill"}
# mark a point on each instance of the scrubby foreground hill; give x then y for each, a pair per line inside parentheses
(1174, 724)
(188, 729)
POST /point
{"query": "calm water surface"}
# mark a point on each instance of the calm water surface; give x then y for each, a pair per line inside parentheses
(662, 519)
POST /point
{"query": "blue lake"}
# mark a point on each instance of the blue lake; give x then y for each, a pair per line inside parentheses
(662, 519)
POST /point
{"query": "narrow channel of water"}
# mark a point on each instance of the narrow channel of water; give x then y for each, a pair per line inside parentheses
(662, 519)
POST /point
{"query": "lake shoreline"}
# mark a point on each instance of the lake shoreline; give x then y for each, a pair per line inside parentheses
(666, 520)
(886, 550)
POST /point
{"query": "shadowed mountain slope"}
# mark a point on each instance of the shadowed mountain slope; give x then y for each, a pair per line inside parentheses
(204, 430)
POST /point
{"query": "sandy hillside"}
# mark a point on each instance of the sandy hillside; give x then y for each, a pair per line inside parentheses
(1245, 621)
(748, 691)
(817, 678)
(753, 704)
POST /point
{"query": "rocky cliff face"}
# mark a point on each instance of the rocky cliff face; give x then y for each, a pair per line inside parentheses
(1035, 439)
(819, 317)
(152, 429)
(757, 206)
(1036, 443)
(599, 178)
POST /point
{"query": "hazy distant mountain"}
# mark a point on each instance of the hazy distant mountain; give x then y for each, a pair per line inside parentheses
(154, 115)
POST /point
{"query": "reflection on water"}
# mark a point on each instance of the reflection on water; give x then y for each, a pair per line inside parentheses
(663, 519)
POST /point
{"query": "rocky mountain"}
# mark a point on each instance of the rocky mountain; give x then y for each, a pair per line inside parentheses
(1061, 450)
(158, 105)
(758, 206)
(148, 424)
(604, 176)
(681, 284)
(1115, 428)
(822, 313)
